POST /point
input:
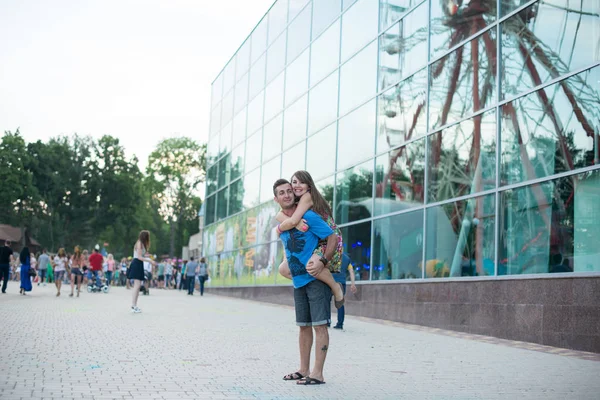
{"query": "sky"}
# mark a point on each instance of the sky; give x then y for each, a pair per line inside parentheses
(139, 70)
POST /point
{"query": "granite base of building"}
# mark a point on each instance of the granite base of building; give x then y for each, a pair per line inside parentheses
(559, 312)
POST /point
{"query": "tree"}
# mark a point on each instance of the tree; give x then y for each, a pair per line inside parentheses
(176, 168)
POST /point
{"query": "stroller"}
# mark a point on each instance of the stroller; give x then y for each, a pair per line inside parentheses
(146, 289)
(92, 288)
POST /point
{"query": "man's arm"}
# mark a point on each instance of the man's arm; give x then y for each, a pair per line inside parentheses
(315, 268)
(352, 278)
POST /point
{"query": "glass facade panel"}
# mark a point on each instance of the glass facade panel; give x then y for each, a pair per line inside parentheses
(227, 110)
(400, 179)
(462, 158)
(276, 58)
(271, 171)
(237, 162)
(322, 105)
(277, 19)
(210, 210)
(222, 201)
(454, 77)
(402, 114)
(241, 94)
(272, 138)
(325, 52)
(528, 62)
(357, 244)
(274, 97)
(239, 128)
(236, 197)
(453, 22)
(242, 60)
(296, 79)
(257, 77)
(255, 113)
(293, 160)
(298, 34)
(294, 128)
(552, 130)
(398, 118)
(253, 149)
(354, 193)
(358, 80)
(398, 246)
(460, 239)
(224, 170)
(356, 136)
(324, 13)
(391, 10)
(251, 189)
(551, 227)
(320, 153)
(403, 48)
(259, 40)
(359, 26)
(211, 179)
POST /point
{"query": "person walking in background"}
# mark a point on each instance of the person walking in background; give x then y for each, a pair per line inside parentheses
(123, 274)
(25, 259)
(60, 268)
(168, 274)
(49, 271)
(110, 268)
(340, 277)
(202, 274)
(96, 260)
(136, 269)
(183, 280)
(5, 256)
(76, 270)
(43, 261)
(161, 275)
(86, 267)
(191, 271)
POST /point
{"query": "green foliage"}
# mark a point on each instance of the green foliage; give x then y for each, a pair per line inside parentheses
(79, 191)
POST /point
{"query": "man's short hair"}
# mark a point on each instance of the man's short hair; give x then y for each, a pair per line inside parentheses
(278, 183)
(192, 258)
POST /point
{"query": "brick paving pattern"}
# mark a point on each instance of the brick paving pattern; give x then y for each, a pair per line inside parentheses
(211, 347)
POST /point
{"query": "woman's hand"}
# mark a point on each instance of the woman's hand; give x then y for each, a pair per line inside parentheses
(302, 225)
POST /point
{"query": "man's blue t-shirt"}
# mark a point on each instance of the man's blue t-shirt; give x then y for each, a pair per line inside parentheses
(299, 246)
(341, 276)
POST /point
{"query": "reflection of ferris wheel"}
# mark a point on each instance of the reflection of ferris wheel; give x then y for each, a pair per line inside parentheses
(475, 64)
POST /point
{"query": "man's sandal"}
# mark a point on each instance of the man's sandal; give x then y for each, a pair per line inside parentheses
(308, 381)
(294, 376)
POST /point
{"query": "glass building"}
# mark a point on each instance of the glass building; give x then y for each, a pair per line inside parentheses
(453, 138)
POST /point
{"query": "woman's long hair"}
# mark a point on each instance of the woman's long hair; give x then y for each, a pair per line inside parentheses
(320, 205)
(61, 252)
(144, 239)
(25, 255)
(77, 252)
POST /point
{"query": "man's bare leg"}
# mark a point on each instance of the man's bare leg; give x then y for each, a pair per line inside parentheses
(321, 348)
(305, 341)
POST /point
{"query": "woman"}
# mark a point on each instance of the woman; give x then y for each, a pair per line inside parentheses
(203, 274)
(110, 268)
(60, 268)
(25, 259)
(76, 270)
(136, 269)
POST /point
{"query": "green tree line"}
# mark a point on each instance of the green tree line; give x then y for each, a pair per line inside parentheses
(76, 190)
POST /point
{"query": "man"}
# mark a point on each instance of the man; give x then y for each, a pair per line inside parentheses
(341, 278)
(161, 275)
(311, 296)
(43, 262)
(192, 271)
(5, 254)
(96, 261)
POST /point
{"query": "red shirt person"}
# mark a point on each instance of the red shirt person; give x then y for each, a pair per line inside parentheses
(96, 265)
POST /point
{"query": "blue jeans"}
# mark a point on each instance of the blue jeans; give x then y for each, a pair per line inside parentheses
(108, 277)
(191, 282)
(341, 311)
(96, 275)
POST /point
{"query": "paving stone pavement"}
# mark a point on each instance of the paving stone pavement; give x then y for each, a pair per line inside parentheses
(212, 347)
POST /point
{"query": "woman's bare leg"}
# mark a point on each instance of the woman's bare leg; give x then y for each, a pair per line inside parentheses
(284, 270)
(73, 278)
(79, 279)
(326, 277)
(136, 292)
